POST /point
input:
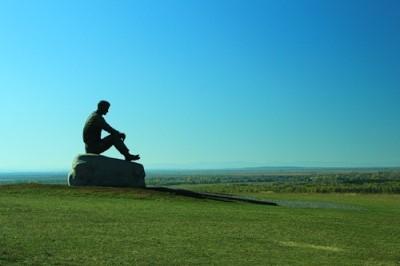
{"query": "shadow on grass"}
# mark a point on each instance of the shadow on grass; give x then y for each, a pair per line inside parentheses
(211, 196)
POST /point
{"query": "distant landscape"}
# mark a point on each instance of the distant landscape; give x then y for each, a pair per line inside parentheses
(276, 179)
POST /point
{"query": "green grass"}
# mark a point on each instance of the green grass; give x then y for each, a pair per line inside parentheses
(56, 225)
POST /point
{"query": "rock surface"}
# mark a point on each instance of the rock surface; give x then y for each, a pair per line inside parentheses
(98, 170)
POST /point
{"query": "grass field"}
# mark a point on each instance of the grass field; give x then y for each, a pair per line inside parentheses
(57, 225)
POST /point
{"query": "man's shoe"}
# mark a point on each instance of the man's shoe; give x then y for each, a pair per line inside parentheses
(131, 157)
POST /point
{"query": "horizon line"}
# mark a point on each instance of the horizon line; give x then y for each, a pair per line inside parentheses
(5, 171)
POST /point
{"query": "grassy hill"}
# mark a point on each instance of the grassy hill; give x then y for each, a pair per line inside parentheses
(57, 225)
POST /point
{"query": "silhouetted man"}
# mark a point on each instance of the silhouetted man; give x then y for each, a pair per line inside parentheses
(92, 134)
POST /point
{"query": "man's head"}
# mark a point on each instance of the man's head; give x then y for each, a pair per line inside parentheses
(102, 107)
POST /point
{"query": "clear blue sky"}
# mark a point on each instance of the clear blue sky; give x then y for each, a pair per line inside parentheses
(203, 83)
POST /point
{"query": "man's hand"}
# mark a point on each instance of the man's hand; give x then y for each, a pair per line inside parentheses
(122, 136)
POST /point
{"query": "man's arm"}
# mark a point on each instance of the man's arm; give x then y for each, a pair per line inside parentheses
(105, 126)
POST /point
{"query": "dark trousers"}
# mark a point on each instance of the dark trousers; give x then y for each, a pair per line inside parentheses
(106, 143)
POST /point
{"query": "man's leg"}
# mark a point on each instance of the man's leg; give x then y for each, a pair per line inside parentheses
(113, 140)
(116, 141)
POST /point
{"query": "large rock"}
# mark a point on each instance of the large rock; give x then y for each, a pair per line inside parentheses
(98, 170)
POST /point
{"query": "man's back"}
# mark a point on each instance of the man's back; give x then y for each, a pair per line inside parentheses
(92, 129)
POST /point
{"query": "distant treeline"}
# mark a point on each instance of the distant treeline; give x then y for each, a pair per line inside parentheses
(376, 182)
